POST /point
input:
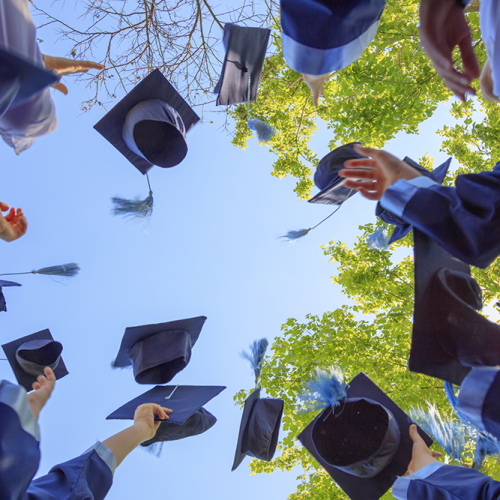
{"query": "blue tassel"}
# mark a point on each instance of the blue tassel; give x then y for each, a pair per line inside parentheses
(379, 240)
(326, 389)
(154, 449)
(66, 270)
(294, 234)
(256, 356)
(133, 209)
(264, 131)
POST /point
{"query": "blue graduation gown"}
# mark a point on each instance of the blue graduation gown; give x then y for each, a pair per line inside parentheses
(320, 36)
(87, 477)
(465, 219)
(438, 481)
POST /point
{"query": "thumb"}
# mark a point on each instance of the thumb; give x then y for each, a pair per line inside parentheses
(415, 436)
(61, 87)
(4, 206)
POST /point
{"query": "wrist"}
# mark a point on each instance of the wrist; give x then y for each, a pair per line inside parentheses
(143, 430)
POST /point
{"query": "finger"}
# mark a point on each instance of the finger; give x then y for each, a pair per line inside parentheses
(364, 162)
(415, 436)
(358, 174)
(3, 206)
(36, 386)
(51, 376)
(358, 185)
(10, 216)
(370, 195)
(61, 87)
(469, 59)
(365, 151)
(90, 65)
(436, 454)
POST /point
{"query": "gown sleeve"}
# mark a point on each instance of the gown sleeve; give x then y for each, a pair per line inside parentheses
(438, 481)
(87, 477)
(19, 442)
(465, 219)
(21, 125)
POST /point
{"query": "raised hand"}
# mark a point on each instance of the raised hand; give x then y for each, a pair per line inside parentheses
(13, 225)
(62, 66)
(421, 454)
(42, 389)
(144, 418)
(376, 173)
(442, 27)
(317, 85)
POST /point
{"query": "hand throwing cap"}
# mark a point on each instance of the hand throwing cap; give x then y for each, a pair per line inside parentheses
(158, 352)
(186, 401)
(402, 227)
(449, 335)
(29, 355)
(20, 79)
(327, 176)
(363, 443)
(149, 125)
(243, 62)
(3, 304)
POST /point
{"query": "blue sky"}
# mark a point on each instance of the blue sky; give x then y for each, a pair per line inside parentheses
(210, 249)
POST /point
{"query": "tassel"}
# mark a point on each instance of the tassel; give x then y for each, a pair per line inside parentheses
(264, 131)
(133, 209)
(154, 449)
(327, 389)
(256, 356)
(66, 271)
(379, 240)
(294, 234)
(114, 367)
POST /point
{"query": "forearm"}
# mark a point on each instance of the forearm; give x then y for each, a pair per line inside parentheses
(124, 442)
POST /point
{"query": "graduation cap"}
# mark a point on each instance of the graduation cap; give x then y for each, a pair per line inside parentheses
(3, 304)
(449, 336)
(28, 356)
(361, 440)
(328, 180)
(261, 419)
(402, 227)
(148, 127)
(20, 79)
(158, 352)
(186, 401)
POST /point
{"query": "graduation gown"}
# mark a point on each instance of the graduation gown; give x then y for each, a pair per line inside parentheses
(464, 220)
(21, 125)
(86, 477)
(320, 36)
(438, 481)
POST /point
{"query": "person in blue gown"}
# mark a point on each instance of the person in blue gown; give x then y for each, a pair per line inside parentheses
(88, 476)
(464, 220)
(429, 479)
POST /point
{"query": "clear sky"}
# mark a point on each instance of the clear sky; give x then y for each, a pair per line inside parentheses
(210, 249)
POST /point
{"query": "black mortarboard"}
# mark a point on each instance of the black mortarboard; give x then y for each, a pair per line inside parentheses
(20, 79)
(188, 418)
(3, 304)
(259, 428)
(243, 62)
(364, 444)
(327, 178)
(152, 108)
(158, 352)
(29, 355)
(402, 227)
(449, 335)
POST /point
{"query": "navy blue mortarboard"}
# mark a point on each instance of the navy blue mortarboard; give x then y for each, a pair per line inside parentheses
(20, 79)
(327, 176)
(449, 336)
(3, 304)
(243, 62)
(153, 109)
(158, 352)
(402, 227)
(186, 401)
(261, 419)
(29, 355)
(364, 443)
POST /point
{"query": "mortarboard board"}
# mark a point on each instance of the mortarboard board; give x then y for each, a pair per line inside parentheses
(188, 418)
(327, 178)
(20, 79)
(243, 62)
(402, 227)
(158, 352)
(261, 419)
(365, 444)
(144, 103)
(29, 355)
(449, 335)
(3, 304)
